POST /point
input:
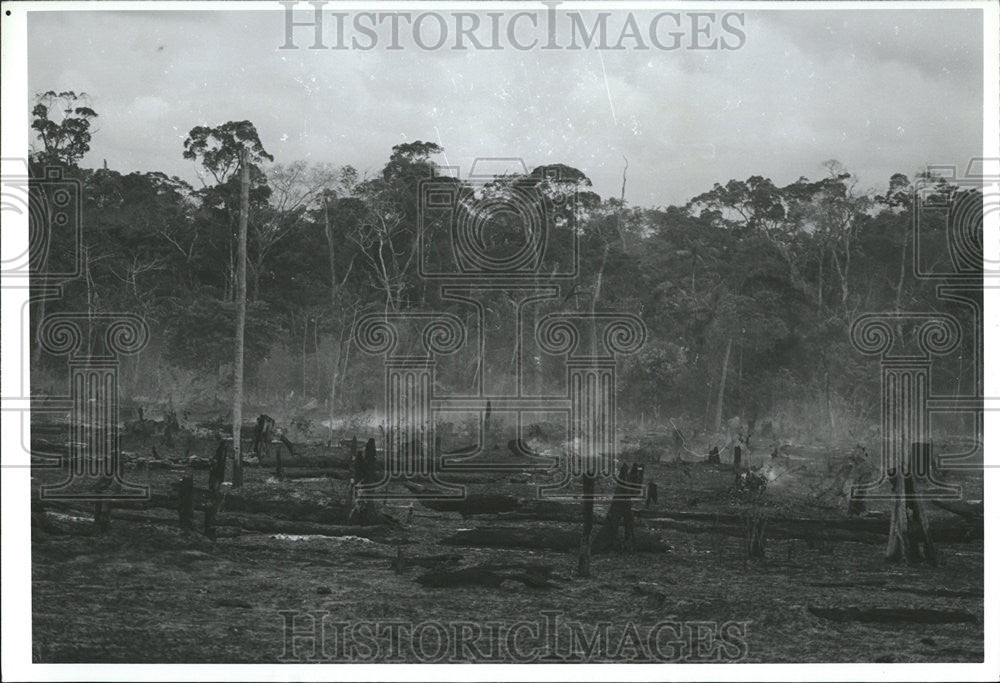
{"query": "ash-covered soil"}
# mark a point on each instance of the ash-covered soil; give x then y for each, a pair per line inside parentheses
(146, 591)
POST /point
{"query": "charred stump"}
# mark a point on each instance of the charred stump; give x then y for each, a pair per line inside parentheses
(620, 512)
(102, 508)
(185, 502)
(102, 516)
(910, 539)
(263, 433)
(364, 510)
(170, 427)
(652, 495)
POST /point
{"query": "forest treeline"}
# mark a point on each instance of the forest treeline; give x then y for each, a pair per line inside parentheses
(748, 290)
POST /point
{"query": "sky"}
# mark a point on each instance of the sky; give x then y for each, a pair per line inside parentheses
(881, 91)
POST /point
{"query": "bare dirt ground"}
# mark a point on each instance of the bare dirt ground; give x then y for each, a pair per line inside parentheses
(146, 591)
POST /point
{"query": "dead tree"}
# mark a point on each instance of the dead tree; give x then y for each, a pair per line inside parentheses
(906, 536)
(241, 319)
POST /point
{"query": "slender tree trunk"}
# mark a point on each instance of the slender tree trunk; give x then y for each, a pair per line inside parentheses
(722, 385)
(819, 287)
(332, 399)
(42, 281)
(902, 272)
(305, 337)
(90, 301)
(255, 284)
(241, 318)
(694, 267)
(583, 567)
(829, 403)
(739, 380)
(708, 407)
(36, 351)
(331, 254)
(230, 293)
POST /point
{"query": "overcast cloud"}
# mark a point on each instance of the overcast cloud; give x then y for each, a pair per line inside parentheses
(879, 90)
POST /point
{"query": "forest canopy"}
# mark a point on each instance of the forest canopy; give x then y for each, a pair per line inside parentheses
(748, 290)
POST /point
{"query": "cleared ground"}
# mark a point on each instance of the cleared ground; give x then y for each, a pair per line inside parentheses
(146, 591)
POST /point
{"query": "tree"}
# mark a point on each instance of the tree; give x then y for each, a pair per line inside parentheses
(62, 121)
(222, 150)
(387, 238)
(241, 318)
(295, 188)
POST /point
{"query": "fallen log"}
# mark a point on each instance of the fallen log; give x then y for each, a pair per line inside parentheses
(305, 511)
(543, 539)
(284, 526)
(774, 531)
(884, 584)
(315, 473)
(432, 561)
(840, 530)
(493, 576)
(962, 509)
(302, 511)
(261, 523)
(338, 462)
(545, 511)
(475, 504)
(888, 615)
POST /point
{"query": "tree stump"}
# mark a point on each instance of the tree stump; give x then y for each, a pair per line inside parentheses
(364, 510)
(102, 508)
(910, 539)
(102, 516)
(261, 445)
(185, 502)
(170, 427)
(620, 512)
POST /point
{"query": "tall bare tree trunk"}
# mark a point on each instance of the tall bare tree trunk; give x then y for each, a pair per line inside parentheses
(43, 281)
(829, 401)
(241, 319)
(722, 385)
(819, 286)
(901, 281)
(305, 339)
(583, 564)
(90, 299)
